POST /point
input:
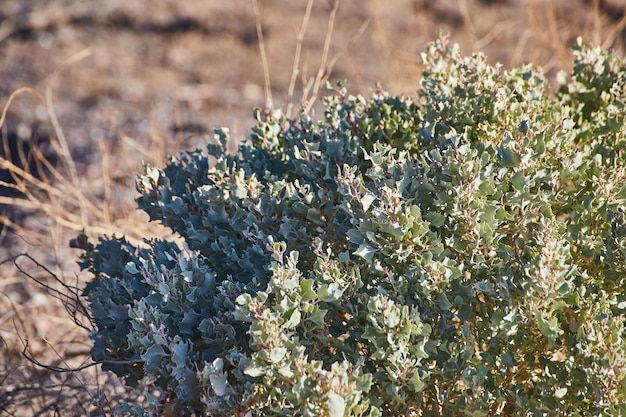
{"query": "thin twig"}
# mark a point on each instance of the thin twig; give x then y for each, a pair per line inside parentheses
(52, 114)
(106, 178)
(322, 67)
(266, 71)
(490, 36)
(26, 352)
(469, 23)
(296, 59)
(327, 68)
(67, 156)
(70, 299)
(344, 49)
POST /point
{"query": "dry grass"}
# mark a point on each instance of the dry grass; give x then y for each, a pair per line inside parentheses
(40, 319)
(44, 326)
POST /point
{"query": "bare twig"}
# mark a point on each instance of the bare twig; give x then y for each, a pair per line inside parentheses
(322, 69)
(469, 23)
(345, 48)
(266, 71)
(27, 353)
(70, 298)
(106, 177)
(296, 60)
(312, 87)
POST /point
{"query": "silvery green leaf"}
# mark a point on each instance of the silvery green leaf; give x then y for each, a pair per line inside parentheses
(277, 354)
(508, 158)
(294, 319)
(336, 405)
(367, 200)
(179, 354)
(152, 358)
(254, 371)
(131, 268)
(219, 383)
(366, 252)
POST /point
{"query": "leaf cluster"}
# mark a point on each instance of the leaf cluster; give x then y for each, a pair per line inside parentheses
(463, 253)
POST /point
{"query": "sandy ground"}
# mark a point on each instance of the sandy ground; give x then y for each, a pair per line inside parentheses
(130, 81)
(122, 66)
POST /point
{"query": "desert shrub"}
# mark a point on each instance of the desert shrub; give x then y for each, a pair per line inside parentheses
(460, 254)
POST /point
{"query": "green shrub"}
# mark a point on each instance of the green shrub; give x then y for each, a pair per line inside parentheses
(463, 254)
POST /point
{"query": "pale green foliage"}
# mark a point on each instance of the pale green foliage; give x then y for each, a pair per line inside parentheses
(460, 255)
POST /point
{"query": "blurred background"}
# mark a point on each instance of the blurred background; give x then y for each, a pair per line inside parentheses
(91, 90)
